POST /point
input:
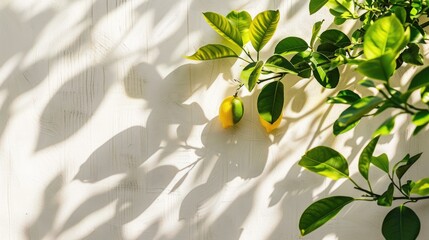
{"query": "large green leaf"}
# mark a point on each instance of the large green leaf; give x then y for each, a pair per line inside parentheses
(212, 51)
(250, 74)
(291, 45)
(342, 8)
(270, 101)
(421, 118)
(385, 35)
(337, 129)
(321, 211)
(326, 162)
(382, 162)
(316, 5)
(402, 166)
(223, 27)
(401, 223)
(344, 97)
(420, 80)
(381, 68)
(326, 77)
(242, 21)
(279, 64)
(386, 198)
(385, 128)
(263, 27)
(365, 158)
(421, 187)
(335, 37)
(357, 110)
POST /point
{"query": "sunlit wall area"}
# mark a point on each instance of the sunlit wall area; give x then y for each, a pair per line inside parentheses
(108, 132)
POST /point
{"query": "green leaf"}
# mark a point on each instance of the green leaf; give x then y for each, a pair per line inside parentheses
(385, 128)
(412, 55)
(327, 78)
(401, 223)
(419, 128)
(365, 158)
(367, 83)
(223, 27)
(357, 110)
(250, 74)
(321, 212)
(291, 45)
(382, 162)
(386, 198)
(335, 37)
(342, 129)
(381, 68)
(385, 35)
(326, 162)
(344, 97)
(263, 27)
(419, 81)
(343, 8)
(406, 188)
(279, 64)
(301, 63)
(402, 166)
(421, 118)
(424, 95)
(242, 21)
(270, 101)
(212, 51)
(315, 31)
(421, 187)
(316, 5)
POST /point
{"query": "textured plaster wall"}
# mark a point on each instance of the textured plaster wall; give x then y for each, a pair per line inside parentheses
(107, 132)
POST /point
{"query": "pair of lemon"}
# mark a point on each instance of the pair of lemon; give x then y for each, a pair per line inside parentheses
(231, 111)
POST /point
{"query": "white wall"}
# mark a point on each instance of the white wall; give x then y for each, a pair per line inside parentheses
(107, 132)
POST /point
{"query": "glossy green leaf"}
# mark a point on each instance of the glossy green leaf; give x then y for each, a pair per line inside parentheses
(301, 63)
(337, 129)
(419, 128)
(401, 223)
(242, 21)
(326, 77)
(421, 187)
(385, 128)
(212, 51)
(358, 109)
(421, 118)
(382, 162)
(291, 45)
(406, 188)
(365, 158)
(420, 80)
(223, 27)
(326, 162)
(250, 74)
(402, 166)
(270, 101)
(401, 14)
(424, 95)
(316, 5)
(344, 97)
(263, 27)
(321, 212)
(315, 31)
(412, 55)
(381, 68)
(385, 35)
(279, 64)
(386, 198)
(335, 37)
(343, 8)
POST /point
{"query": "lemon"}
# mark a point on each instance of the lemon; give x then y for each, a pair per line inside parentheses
(268, 126)
(231, 111)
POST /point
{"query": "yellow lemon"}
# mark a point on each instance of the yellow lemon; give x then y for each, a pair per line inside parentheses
(231, 111)
(268, 126)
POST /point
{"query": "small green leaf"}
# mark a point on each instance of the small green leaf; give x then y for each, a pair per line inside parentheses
(250, 74)
(326, 162)
(223, 27)
(419, 128)
(420, 80)
(344, 97)
(321, 212)
(316, 5)
(406, 188)
(421, 187)
(365, 158)
(279, 64)
(381, 68)
(367, 83)
(421, 118)
(385, 128)
(343, 8)
(263, 27)
(291, 45)
(270, 101)
(358, 109)
(212, 51)
(242, 21)
(401, 223)
(382, 162)
(335, 37)
(412, 55)
(315, 31)
(402, 166)
(424, 95)
(385, 35)
(386, 198)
